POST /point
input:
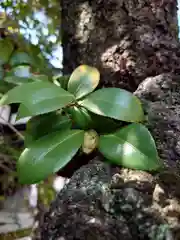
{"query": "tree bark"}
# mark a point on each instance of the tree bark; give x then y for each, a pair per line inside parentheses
(126, 40)
(135, 46)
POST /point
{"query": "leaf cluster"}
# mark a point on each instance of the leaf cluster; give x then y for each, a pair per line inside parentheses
(72, 116)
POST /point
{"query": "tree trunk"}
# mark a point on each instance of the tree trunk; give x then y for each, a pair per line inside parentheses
(135, 46)
(126, 40)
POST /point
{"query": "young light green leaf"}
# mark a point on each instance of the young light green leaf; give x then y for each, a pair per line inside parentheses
(83, 81)
(20, 58)
(38, 98)
(42, 125)
(47, 155)
(114, 103)
(6, 48)
(131, 147)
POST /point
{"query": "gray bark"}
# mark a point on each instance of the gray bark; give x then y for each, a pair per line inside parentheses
(135, 46)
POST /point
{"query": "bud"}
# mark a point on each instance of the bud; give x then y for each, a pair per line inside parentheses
(91, 140)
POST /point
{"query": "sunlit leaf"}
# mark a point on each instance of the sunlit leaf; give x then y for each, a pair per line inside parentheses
(131, 147)
(38, 98)
(83, 81)
(47, 155)
(114, 103)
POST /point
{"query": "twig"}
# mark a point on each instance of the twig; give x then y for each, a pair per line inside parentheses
(5, 168)
(13, 128)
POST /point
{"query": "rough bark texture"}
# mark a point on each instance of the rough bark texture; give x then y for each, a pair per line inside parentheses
(126, 40)
(104, 203)
(135, 46)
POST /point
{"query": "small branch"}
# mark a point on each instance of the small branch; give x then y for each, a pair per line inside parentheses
(5, 168)
(13, 128)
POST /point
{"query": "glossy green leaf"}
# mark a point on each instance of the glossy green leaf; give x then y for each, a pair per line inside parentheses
(84, 119)
(81, 118)
(104, 125)
(131, 147)
(114, 103)
(20, 58)
(38, 98)
(42, 125)
(83, 81)
(6, 49)
(47, 155)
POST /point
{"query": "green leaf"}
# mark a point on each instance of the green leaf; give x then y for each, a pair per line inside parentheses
(22, 74)
(38, 98)
(1, 73)
(84, 119)
(20, 71)
(131, 147)
(17, 80)
(20, 58)
(114, 103)
(62, 81)
(42, 125)
(6, 48)
(47, 155)
(39, 77)
(80, 116)
(83, 81)
(4, 87)
(19, 75)
(104, 125)
(23, 112)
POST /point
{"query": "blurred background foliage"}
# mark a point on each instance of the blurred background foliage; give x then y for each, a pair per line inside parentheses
(30, 42)
(30, 50)
(38, 24)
